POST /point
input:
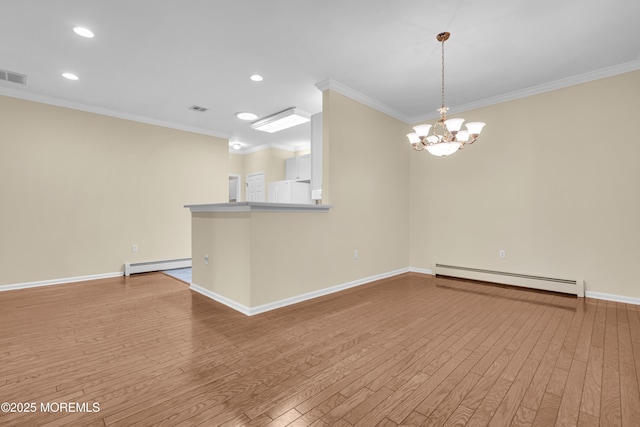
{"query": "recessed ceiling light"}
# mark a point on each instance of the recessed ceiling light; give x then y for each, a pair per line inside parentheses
(256, 78)
(246, 116)
(236, 146)
(70, 76)
(84, 32)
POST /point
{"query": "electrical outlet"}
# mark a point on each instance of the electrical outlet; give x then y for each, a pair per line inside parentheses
(134, 248)
(355, 254)
(502, 254)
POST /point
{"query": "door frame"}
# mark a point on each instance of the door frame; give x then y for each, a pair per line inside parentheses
(264, 184)
(238, 186)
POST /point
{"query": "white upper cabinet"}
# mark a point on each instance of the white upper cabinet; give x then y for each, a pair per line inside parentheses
(299, 168)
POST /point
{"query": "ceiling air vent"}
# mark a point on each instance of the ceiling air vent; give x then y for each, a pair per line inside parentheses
(10, 76)
(198, 108)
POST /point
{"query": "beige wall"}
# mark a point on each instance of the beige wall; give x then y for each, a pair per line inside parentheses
(78, 189)
(236, 164)
(367, 179)
(271, 161)
(227, 246)
(553, 180)
(296, 253)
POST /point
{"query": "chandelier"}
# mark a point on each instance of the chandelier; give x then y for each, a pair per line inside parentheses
(445, 137)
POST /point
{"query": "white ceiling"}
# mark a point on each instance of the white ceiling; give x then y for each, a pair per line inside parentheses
(150, 60)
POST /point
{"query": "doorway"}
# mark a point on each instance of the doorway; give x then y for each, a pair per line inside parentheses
(256, 187)
(235, 187)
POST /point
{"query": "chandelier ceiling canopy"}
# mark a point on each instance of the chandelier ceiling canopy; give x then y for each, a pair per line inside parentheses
(445, 137)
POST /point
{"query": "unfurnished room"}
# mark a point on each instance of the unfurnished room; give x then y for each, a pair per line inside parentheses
(319, 213)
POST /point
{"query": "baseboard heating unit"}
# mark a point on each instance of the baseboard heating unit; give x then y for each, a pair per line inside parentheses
(575, 287)
(146, 267)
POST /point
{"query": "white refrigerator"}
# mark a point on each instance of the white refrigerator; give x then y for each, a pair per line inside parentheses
(289, 191)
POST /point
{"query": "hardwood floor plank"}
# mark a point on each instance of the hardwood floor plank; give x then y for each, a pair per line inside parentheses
(358, 413)
(414, 419)
(586, 420)
(629, 395)
(565, 358)
(490, 403)
(511, 400)
(450, 403)
(244, 421)
(347, 405)
(524, 346)
(510, 330)
(285, 419)
(592, 388)
(440, 393)
(524, 417)
(407, 350)
(597, 336)
(548, 411)
(386, 423)
(398, 397)
(409, 402)
(610, 401)
(611, 337)
(634, 323)
(625, 347)
(570, 404)
(557, 381)
(549, 332)
(584, 339)
(535, 391)
(460, 417)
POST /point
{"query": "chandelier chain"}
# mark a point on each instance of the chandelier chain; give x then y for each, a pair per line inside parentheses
(443, 74)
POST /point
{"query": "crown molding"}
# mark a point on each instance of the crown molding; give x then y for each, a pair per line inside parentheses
(58, 102)
(345, 90)
(602, 73)
(510, 96)
(361, 98)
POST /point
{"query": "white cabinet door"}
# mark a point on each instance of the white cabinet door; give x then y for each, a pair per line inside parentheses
(291, 168)
(298, 168)
(304, 167)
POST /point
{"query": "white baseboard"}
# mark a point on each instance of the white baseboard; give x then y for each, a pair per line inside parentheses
(612, 297)
(221, 299)
(27, 285)
(288, 301)
(251, 311)
(322, 292)
(421, 271)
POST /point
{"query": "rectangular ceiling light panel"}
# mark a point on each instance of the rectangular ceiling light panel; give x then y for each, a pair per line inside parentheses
(282, 120)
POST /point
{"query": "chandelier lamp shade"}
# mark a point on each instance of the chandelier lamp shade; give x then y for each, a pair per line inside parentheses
(446, 136)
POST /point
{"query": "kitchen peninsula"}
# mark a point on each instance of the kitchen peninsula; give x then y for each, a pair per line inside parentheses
(254, 256)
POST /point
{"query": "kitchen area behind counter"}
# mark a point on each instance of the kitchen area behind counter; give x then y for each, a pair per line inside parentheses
(279, 174)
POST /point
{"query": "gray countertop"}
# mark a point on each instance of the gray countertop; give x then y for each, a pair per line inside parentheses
(257, 207)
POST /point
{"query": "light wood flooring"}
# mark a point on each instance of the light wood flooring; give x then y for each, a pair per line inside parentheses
(409, 350)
